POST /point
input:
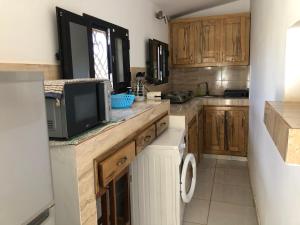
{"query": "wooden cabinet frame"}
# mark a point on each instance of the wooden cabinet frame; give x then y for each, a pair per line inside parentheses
(225, 42)
(193, 135)
(226, 130)
(109, 201)
(182, 43)
(110, 169)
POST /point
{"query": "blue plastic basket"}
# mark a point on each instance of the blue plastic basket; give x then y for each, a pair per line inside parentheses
(122, 101)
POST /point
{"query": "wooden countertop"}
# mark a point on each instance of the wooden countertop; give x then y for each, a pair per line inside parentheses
(282, 120)
(289, 111)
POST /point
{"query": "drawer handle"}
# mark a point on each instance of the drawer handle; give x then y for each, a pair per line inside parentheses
(122, 161)
(147, 138)
(163, 124)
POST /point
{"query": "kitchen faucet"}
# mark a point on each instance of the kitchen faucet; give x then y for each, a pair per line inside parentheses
(206, 87)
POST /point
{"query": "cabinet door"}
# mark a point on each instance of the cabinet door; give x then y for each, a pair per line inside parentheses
(193, 138)
(214, 131)
(208, 42)
(200, 134)
(236, 132)
(235, 40)
(182, 37)
(113, 207)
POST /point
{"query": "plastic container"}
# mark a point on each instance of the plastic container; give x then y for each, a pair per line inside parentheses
(122, 101)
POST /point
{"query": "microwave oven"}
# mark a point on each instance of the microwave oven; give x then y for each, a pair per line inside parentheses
(76, 106)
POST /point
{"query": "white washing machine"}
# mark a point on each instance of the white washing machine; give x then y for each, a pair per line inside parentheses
(163, 179)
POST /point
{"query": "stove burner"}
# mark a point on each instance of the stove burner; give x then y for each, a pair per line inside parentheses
(179, 97)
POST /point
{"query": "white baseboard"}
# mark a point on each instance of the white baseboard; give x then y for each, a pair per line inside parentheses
(225, 157)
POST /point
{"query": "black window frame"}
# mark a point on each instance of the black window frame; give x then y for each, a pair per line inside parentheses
(115, 31)
(123, 34)
(95, 23)
(64, 17)
(150, 64)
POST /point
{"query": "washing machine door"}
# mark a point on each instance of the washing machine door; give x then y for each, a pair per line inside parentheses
(188, 178)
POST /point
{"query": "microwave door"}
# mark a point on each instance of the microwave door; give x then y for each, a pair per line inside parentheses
(104, 96)
(81, 107)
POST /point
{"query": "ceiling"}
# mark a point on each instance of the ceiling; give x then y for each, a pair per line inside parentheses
(177, 8)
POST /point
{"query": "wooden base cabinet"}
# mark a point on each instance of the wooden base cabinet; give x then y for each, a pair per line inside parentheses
(193, 138)
(226, 130)
(200, 134)
(113, 203)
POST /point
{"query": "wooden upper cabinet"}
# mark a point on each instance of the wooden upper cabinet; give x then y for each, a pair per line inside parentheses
(211, 41)
(235, 40)
(182, 39)
(207, 41)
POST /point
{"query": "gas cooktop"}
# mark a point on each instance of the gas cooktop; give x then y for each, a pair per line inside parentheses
(178, 97)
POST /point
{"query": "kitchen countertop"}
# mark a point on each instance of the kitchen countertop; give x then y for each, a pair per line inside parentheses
(282, 120)
(191, 108)
(118, 116)
(289, 112)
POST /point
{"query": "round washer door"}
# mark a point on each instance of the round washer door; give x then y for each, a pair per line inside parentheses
(188, 178)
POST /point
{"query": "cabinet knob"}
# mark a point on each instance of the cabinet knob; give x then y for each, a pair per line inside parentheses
(147, 138)
(163, 124)
(122, 161)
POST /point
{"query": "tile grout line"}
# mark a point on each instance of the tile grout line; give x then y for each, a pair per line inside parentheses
(211, 193)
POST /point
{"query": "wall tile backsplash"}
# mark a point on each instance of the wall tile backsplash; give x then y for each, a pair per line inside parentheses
(218, 78)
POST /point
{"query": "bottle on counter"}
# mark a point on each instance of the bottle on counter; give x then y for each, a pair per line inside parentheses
(140, 88)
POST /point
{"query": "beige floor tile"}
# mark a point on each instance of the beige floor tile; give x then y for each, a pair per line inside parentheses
(197, 211)
(234, 164)
(187, 223)
(203, 190)
(240, 195)
(205, 175)
(228, 214)
(232, 176)
(207, 163)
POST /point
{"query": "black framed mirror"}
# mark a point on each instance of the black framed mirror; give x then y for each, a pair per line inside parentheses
(157, 65)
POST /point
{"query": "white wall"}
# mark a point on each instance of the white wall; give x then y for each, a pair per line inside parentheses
(229, 8)
(276, 185)
(28, 28)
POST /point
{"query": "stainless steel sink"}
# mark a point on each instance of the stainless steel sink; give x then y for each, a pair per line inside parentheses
(212, 96)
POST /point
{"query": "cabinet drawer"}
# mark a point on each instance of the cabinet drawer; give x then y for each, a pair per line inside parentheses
(113, 165)
(162, 125)
(145, 138)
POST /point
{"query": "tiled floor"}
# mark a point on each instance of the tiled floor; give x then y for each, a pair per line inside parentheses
(223, 195)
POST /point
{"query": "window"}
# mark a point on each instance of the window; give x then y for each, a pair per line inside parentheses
(117, 51)
(100, 54)
(158, 70)
(91, 47)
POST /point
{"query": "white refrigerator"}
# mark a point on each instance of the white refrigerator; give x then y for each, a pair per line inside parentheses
(26, 194)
